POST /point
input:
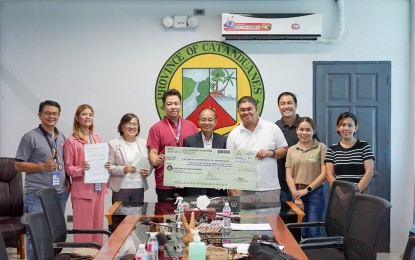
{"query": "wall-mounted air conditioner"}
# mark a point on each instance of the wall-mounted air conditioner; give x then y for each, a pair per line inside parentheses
(283, 26)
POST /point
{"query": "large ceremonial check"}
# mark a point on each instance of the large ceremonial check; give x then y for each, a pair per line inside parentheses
(209, 168)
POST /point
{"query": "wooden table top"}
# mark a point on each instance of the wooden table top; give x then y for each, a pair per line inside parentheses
(281, 233)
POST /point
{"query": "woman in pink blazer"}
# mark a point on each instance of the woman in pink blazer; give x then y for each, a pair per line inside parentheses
(87, 199)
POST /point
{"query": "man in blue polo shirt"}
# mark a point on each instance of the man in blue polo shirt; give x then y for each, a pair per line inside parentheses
(40, 156)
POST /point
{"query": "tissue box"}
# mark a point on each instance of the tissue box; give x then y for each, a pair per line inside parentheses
(210, 213)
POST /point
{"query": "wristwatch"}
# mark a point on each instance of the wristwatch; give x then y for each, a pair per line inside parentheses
(309, 189)
(273, 153)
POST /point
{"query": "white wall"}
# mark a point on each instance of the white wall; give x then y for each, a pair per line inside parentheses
(109, 53)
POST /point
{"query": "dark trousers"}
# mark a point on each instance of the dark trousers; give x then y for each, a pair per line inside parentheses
(128, 195)
(211, 193)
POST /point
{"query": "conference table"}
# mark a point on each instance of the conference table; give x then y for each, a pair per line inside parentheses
(124, 219)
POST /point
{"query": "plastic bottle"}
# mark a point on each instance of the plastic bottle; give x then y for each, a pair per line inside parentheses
(153, 247)
(226, 232)
(197, 248)
(227, 218)
(179, 210)
(141, 253)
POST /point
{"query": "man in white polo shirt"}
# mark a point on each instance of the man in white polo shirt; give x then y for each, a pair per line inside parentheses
(267, 140)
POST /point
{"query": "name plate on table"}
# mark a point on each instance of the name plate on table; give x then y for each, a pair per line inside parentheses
(219, 202)
(209, 168)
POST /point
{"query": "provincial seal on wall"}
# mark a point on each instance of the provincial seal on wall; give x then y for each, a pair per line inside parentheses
(210, 74)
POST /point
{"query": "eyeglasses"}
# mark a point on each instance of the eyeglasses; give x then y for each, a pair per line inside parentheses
(131, 124)
(48, 114)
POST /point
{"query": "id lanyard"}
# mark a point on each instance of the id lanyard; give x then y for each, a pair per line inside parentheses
(97, 186)
(176, 136)
(53, 148)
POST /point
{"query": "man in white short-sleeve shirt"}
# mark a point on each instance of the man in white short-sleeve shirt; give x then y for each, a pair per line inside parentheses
(267, 140)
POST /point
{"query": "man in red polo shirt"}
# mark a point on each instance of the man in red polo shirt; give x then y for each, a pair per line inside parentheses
(170, 131)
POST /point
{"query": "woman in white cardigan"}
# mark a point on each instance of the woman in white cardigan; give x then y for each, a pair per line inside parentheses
(129, 165)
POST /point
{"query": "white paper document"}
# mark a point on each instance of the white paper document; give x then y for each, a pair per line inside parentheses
(265, 226)
(96, 155)
(141, 162)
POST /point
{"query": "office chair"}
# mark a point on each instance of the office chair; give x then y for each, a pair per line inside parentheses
(362, 235)
(55, 217)
(43, 247)
(3, 250)
(11, 206)
(409, 250)
(338, 207)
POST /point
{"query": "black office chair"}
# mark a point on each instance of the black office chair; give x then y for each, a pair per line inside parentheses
(3, 250)
(338, 207)
(362, 235)
(43, 247)
(409, 250)
(11, 206)
(56, 220)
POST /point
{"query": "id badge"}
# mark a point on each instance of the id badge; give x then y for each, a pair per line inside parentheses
(56, 178)
(97, 186)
